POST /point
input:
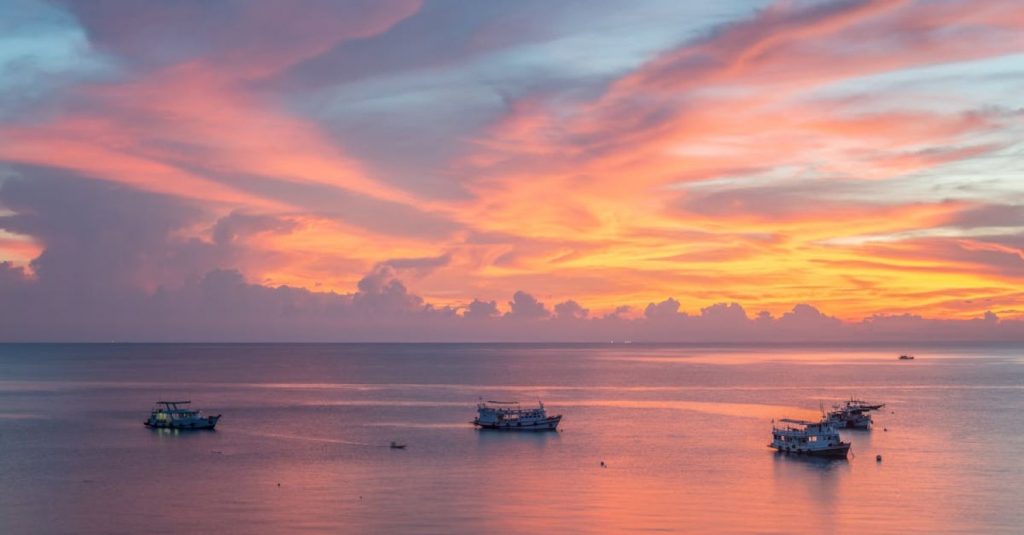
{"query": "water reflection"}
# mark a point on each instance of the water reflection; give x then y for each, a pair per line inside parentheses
(743, 410)
(684, 442)
(496, 440)
(814, 482)
(820, 464)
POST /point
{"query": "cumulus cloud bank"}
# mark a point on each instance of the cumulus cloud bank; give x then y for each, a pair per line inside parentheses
(99, 241)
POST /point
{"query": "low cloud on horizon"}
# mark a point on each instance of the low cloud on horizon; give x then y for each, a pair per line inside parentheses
(201, 294)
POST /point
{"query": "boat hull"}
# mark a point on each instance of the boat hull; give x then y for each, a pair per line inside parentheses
(833, 452)
(852, 424)
(547, 424)
(847, 419)
(207, 423)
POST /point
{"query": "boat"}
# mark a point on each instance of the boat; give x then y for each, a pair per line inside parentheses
(510, 416)
(848, 418)
(176, 415)
(852, 414)
(864, 405)
(819, 438)
(906, 357)
(397, 445)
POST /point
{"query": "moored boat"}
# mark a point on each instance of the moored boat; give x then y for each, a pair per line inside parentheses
(846, 418)
(809, 438)
(510, 416)
(852, 414)
(174, 415)
(863, 405)
(906, 357)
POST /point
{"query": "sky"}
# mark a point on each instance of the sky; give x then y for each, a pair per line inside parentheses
(511, 170)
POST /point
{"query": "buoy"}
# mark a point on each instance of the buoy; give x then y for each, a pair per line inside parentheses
(886, 429)
(878, 458)
(278, 484)
(603, 465)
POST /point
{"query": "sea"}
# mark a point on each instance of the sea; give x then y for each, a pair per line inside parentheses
(682, 432)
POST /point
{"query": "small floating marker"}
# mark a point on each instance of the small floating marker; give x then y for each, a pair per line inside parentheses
(603, 465)
(885, 429)
(878, 458)
(278, 484)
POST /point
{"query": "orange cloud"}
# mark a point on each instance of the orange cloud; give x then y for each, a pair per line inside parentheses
(729, 168)
(737, 114)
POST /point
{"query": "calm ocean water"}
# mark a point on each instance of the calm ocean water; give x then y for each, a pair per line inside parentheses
(683, 431)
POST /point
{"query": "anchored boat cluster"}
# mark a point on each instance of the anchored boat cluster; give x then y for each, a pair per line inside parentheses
(821, 438)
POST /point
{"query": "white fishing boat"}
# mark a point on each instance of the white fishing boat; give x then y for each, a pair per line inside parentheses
(174, 415)
(844, 418)
(810, 438)
(510, 416)
(853, 414)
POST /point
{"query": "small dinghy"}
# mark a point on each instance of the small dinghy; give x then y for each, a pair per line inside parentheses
(397, 445)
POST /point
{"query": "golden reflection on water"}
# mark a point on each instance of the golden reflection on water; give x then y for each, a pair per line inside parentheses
(755, 491)
(739, 410)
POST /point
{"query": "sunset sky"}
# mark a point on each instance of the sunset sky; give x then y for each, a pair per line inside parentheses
(863, 158)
